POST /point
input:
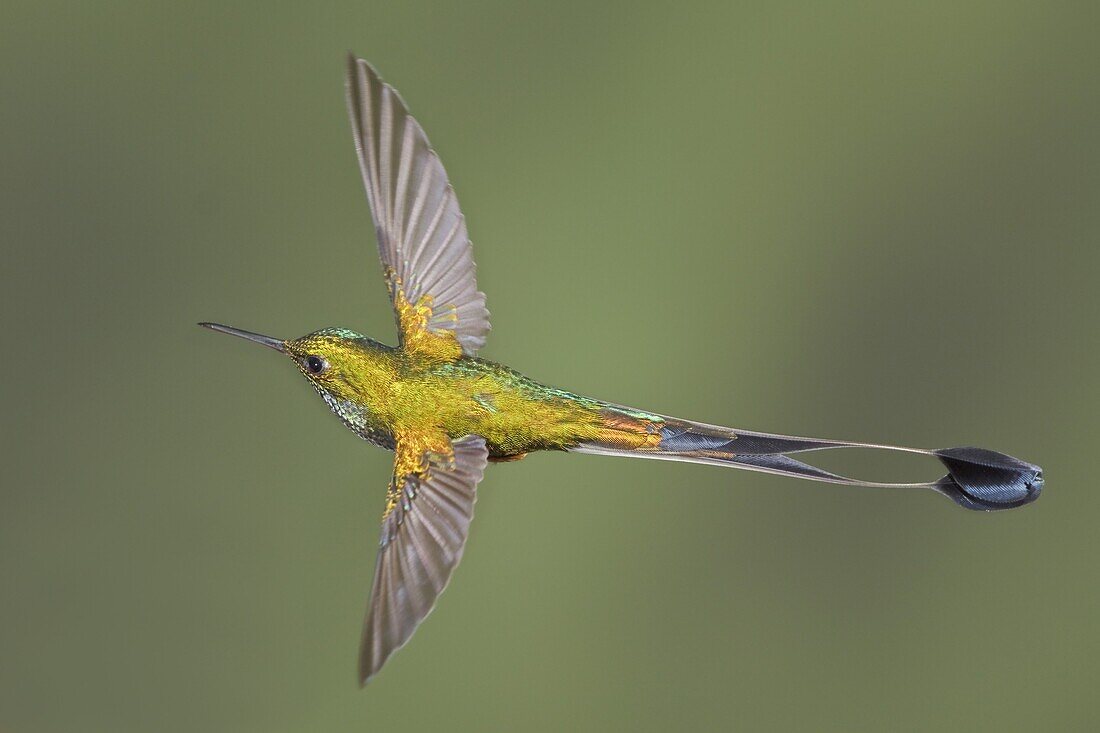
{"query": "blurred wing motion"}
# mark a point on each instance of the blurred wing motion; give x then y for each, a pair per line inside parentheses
(423, 535)
(422, 238)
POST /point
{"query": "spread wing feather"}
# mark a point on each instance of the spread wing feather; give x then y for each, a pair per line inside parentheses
(421, 232)
(422, 541)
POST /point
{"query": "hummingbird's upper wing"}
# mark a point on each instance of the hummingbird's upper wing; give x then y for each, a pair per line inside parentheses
(423, 535)
(421, 231)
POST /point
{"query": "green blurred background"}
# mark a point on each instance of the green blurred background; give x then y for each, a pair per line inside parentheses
(874, 221)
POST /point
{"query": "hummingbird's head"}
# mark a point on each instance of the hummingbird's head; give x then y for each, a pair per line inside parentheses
(329, 357)
(334, 360)
(343, 366)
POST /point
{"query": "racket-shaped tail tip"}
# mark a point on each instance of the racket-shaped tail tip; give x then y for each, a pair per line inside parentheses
(986, 480)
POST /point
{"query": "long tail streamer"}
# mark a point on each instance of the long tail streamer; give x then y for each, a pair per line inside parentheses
(977, 478)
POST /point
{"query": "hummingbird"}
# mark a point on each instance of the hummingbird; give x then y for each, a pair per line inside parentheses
(446, 413)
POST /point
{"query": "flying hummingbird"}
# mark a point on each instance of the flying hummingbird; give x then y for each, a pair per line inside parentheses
(445, 413)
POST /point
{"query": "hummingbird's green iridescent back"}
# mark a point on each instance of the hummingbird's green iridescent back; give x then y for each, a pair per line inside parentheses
(446, 413)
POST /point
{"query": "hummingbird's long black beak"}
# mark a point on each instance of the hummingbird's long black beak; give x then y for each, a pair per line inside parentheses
(271, 343)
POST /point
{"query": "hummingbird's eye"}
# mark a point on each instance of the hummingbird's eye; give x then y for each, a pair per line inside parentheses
(316, 364)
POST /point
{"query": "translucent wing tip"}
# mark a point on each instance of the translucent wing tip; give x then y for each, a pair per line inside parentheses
(985, 480)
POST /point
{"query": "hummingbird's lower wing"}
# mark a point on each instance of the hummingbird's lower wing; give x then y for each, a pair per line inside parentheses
(423, 536)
